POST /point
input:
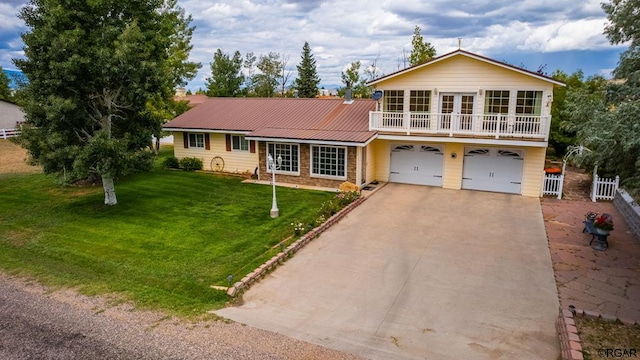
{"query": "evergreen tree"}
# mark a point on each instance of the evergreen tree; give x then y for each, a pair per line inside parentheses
(5, 90)
(226, 75)
(93, 68)
(308, 80)
(422, 50)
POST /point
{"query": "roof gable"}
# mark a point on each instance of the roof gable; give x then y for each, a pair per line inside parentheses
(467, 54)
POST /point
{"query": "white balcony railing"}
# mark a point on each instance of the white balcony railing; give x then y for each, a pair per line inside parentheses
(497, 126)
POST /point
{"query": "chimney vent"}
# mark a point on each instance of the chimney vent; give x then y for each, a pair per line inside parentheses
(348, 95)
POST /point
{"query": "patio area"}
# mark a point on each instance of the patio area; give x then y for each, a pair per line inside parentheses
(607, 282)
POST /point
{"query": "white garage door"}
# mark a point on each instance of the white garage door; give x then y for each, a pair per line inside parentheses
(493, 169)
(416, 164)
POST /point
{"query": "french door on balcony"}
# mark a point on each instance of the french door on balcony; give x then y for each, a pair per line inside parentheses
(456, 111)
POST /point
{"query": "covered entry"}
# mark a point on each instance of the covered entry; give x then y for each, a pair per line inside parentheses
(493, 169)
(419, 164)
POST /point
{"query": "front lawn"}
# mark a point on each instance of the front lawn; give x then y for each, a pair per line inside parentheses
(172, 235)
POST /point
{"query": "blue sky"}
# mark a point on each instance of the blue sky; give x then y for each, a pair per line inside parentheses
(561, 34)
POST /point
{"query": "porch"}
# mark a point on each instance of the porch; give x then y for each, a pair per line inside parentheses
(449, 124)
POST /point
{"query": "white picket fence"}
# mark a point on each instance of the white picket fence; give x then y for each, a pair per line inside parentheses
(8, 133)
(603, 188)
(552, 184)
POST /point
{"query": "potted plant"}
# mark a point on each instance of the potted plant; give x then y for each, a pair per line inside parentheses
(603, 224)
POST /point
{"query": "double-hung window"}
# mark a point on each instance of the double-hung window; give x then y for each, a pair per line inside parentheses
(529, 103)
(239, 143)
(196, 140)
(329, 161)
(290, 155)
(394, 100)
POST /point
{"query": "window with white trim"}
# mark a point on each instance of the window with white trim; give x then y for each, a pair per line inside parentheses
(196, 140)
(290, 154)
(329, 161)
(239, 143)
(393, 100)
(496, 102)
(419, 101)
(529, 103)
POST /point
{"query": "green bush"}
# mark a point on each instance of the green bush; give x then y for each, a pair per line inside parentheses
(171, 162)
(191, 164)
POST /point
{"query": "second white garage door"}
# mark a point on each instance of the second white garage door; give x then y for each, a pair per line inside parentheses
(416, 164)
(493, 169)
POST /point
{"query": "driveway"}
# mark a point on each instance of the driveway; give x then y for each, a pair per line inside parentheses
(419, 272)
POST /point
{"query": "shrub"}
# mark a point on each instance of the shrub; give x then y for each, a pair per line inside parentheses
(191, 164)
(171, 162)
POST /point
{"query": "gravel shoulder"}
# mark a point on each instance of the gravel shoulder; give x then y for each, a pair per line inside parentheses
(40, 323)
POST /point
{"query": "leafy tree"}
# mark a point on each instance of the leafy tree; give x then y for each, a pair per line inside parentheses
(93, 68)
(226, 75)
(607, 123)
(266, 82)
(351, 77)
(560, 138)
(308, 80)
(422, 50)
(5, 90)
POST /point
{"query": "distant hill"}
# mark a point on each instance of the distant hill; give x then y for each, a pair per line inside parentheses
(15, 77)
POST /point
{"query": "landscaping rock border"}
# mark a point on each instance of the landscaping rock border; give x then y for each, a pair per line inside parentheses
(281, 257)
(629, 209)
(570, 343)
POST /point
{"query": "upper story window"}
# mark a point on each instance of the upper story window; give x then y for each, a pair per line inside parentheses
(529, 102)
(420, 101)
(393, 100)
(496, 102)
(239, 143)
(329, 161)
(196, 141)
(290, 154)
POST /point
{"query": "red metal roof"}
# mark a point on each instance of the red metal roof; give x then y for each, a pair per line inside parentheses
(287, 118)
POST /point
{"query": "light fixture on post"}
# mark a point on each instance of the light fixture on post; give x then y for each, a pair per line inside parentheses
(273, 166)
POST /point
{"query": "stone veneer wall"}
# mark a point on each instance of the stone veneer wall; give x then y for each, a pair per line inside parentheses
(305, 163)
(629, 209)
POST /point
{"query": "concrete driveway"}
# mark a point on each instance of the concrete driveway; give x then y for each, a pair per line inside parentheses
(419, 273)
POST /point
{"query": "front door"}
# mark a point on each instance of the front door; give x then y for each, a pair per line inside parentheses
(456, 112)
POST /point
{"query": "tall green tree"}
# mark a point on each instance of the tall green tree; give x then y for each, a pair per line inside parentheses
(307, 80)
(559, 137)
(351, 77)
(5, 90)
(422, 51)
(93, 67)
(226, 75)
(608, 124)
(266, 81)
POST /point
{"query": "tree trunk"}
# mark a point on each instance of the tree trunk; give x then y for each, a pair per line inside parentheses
(109, 191)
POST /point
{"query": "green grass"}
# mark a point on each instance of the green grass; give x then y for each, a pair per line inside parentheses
(171, 236)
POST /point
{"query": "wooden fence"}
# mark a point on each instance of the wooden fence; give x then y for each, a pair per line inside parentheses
(8, 133)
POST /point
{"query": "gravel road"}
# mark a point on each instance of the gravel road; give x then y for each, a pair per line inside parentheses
(38, 323)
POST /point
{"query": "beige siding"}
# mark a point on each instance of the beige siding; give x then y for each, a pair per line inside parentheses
(234, 161)
(382, 159)
(452, 173)
(532, 174)
(371, 163)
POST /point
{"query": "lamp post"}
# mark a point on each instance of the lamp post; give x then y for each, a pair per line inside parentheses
(274, 165)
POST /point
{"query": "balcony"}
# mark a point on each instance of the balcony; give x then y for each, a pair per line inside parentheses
(475, 125)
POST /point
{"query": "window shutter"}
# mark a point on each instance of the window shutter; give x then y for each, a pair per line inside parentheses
(207, 143)
(185, 138)
(228, 138)
(252, 146)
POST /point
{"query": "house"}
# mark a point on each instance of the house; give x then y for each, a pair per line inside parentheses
(321, 141)
(459, 121)
(11, 115)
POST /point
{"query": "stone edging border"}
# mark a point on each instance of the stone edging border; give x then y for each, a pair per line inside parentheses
(570, 343)
(282, 256)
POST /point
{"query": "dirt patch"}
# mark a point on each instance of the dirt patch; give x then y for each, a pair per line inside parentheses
(602, 339)
(13, 159)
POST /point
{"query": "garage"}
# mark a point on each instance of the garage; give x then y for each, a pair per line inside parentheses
(493, 169)
(416, 164)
